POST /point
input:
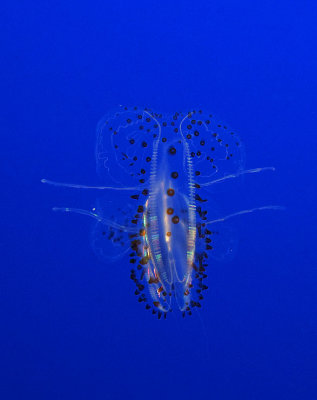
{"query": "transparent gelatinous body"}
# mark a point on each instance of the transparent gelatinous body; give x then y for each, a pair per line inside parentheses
(157, 171)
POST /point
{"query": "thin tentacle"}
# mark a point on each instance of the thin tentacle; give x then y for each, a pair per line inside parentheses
(237, 174)
(97, 217)
(76, 186)
(245, 212)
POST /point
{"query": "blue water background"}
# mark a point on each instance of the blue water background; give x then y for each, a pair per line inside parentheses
(70, 326)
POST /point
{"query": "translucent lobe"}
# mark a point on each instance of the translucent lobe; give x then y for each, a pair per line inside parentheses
(125, 144)
(110, 234)
(215, 148)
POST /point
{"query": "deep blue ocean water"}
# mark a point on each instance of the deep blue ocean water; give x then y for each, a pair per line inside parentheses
(70, 325)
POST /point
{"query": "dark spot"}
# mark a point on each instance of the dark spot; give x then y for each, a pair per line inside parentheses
(170, 211)
(135, 158)
(189, 127)
(168, 234)
(198, 198)
(192, 154)
(148, 159)
(144, 260)
(148, 119)
(174, 174)
(197, 173)
(196, 133)
(175, 219)
(189, 136)
(164, 123)
(145, 192)
(132, 141)
(176, 130)
(140, 209)
(202, 143)
(170, 192)
(128, 120)
(139, 116)
(198, 153)
(172, 150)
(144, 144)
(164, 140)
